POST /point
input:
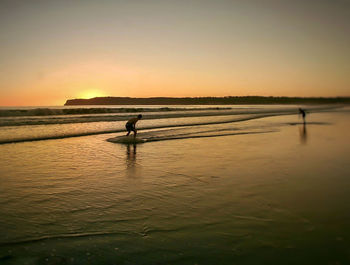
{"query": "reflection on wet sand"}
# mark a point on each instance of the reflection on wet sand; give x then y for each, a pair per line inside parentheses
(130, 156)
(303, 134)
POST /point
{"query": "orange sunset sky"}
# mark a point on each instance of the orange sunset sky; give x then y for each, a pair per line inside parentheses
(52, 51)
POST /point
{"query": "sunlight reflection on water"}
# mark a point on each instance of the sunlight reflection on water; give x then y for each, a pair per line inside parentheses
(224, 199)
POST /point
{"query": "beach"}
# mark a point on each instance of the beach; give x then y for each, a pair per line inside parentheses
(234, 188)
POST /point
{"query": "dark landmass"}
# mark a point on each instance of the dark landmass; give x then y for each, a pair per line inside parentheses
(205, 101)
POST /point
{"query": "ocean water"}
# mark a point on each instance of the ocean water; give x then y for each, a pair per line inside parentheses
(31, 123)
(211, 185)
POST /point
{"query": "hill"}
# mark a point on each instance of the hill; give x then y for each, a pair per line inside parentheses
(205, 100)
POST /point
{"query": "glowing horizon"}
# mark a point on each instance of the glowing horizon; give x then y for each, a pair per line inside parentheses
(62, 50)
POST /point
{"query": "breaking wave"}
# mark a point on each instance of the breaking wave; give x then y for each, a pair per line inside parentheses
(82, 111)
(34, 128)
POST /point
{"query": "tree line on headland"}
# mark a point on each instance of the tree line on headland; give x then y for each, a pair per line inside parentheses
(206, 100)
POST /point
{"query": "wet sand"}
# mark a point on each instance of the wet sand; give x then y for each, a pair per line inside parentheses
(278, 197)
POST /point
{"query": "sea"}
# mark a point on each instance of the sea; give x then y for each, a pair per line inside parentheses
(210, 184)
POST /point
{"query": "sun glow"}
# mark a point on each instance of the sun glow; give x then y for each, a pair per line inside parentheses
(91, 93)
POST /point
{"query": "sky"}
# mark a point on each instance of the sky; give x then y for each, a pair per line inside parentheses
(51, 51)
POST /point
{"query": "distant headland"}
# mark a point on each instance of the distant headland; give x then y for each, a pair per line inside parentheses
(206, 100)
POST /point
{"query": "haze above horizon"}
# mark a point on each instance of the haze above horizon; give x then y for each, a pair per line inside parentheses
(57, 50)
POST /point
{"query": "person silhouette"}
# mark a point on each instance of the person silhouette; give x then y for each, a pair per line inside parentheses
(130, 125)
(303, 114)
